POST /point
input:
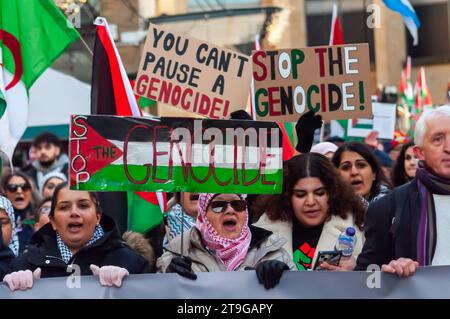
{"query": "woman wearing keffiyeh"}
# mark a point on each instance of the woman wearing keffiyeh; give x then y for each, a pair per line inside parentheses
(9, 243)
(79, 236)
(222, 241)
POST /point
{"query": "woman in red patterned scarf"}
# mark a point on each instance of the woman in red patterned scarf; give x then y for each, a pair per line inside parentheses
(222, 241)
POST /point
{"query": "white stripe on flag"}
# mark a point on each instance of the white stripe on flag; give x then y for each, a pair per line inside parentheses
(142, 153)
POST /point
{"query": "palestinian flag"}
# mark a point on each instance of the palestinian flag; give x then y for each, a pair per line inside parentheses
(144, 210)
(406, 88)
(423, 97)
(336, 35)
(287, 132)
(112, 94)
(338, 127)
(32, 34)
(128, 153)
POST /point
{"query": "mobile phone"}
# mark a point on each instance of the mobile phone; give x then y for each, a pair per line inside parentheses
(332, 257)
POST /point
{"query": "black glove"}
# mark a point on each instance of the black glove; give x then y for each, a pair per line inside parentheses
(240, 115)
(182, 266)
(305, 127)
(269, 272)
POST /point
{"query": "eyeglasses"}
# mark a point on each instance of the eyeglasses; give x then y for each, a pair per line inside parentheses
(220, 206)
(44, 210)
(14, 187)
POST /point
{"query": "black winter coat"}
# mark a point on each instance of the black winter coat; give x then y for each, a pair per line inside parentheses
(390, 227)
(109, 250)
(6, 256)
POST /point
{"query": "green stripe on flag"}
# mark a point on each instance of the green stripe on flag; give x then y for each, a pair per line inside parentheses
(113, 177)
(289, 126)
(144, 102)
(142, 215)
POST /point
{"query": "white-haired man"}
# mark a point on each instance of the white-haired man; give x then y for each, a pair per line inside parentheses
(409, 227)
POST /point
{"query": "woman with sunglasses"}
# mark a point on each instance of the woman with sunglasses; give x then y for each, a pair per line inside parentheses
(78, 237)
(315, 207)
(20, 190)
(222, 241)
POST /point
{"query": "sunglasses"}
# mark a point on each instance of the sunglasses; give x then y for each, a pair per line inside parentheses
(14, 187)
(220, 206)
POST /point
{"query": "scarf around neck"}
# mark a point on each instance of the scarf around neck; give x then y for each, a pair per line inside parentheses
(231, 252)
(428, 184)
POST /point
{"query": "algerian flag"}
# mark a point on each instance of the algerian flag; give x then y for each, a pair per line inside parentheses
(32, 34)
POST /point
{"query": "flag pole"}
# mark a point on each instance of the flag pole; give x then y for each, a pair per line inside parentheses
(86, 45)
(322, 132)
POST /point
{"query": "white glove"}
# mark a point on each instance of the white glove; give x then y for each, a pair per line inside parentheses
(22, 279)
(109, 275)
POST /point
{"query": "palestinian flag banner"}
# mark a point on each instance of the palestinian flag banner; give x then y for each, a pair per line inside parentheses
(406, 88)
(110, 153)
(32, 35)
(112, 94)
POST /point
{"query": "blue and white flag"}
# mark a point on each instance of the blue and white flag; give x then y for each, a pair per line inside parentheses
(406, 10)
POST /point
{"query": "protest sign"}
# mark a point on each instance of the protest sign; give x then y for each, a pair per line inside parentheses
(332, 80)
(383, 121)
(193, 75)
(111, 153)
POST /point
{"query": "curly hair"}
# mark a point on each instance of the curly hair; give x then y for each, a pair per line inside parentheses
(398, 175)
(342, 199)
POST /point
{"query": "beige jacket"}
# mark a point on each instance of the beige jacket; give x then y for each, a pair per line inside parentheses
(327, 241)
(264, 246)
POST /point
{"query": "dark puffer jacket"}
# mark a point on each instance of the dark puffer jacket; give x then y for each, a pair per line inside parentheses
(110, 250)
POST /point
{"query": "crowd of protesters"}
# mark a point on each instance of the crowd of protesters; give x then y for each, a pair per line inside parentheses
(395, 199)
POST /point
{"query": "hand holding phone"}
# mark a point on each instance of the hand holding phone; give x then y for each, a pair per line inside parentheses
(332, 257)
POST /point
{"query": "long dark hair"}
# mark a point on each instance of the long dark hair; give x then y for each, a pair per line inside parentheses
(35, 196)
(58, 188)
(342, 199)
(398, 175)
(367, 154)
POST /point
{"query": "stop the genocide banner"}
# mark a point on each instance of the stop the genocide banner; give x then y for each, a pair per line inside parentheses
(111, 153)
(331, 80)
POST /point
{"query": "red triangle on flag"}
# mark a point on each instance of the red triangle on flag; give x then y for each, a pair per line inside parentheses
(97, 152)
(148, 196)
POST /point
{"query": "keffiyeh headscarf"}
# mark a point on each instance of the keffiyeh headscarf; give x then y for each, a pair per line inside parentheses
(231, 252)
(6, 205)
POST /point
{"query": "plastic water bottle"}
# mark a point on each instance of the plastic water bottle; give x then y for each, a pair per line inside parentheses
(346, 242)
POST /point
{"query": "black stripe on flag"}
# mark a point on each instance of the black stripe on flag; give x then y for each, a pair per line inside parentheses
(102, 91)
